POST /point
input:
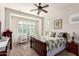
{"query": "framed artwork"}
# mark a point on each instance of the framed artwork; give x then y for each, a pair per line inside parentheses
(58, 24)
(74, 18)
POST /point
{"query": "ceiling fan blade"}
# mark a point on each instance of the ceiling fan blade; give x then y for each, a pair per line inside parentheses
(44, 11)
(36, 5)
(33, 9)
(45, 6)
(39, 4)
(39, 12)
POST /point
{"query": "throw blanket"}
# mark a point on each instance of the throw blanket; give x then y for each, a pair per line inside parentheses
(53, 42)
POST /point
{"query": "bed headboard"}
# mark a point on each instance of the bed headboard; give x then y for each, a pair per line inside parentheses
(65, 35)
(8, 33)
(59, 34)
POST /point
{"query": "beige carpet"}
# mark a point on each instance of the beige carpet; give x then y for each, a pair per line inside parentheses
(25, 50)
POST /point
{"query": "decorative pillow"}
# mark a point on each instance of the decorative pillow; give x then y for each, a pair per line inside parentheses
(47, 33)
(57, 34)
(53, 34)
(60, 35)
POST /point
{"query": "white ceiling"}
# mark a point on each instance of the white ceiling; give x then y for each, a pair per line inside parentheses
(26, 7)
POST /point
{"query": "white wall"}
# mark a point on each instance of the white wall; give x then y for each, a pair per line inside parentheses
(11, 12)
(55, 11)
(64, 13)
(2, 17)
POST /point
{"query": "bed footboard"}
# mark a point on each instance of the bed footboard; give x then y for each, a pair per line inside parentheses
(38, 46)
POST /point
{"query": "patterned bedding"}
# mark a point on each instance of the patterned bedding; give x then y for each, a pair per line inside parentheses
(54, 42)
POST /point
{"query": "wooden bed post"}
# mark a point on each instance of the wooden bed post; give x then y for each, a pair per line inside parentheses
(38, 46)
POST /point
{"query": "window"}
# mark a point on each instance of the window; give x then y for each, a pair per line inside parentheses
(26, 28)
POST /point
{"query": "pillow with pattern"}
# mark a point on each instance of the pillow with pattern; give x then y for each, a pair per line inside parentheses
(60, 35)
(53, 34)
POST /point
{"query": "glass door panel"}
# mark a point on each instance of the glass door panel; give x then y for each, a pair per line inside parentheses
(28, 29)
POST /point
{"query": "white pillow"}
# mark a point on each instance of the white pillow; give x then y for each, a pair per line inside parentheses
(57, 34)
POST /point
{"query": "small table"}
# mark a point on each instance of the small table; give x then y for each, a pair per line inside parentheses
(73, 47)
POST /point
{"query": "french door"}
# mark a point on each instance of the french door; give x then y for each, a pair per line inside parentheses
(27, 29)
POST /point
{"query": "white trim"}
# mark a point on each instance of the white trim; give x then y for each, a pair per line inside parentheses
(10, 22)
(11, 14)
(27, 17)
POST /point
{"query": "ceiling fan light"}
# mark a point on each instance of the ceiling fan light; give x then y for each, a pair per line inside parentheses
(40, 8)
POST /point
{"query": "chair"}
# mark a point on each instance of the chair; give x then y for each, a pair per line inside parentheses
(23, 38)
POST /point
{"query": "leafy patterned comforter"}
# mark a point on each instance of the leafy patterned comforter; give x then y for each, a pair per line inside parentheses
(54, 42)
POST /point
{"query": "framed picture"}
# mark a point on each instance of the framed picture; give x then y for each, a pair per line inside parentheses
(74, 18)
(58, 24)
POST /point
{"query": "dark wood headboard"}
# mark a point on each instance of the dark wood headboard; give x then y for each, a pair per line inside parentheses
(8, 34)
(65, 35)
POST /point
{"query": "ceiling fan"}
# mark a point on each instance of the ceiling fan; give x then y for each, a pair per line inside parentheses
(40, 8)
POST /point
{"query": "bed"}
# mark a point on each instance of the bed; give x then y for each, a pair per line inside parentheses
(48, 46)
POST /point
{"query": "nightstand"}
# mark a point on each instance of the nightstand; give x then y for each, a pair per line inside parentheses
(73, 47)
